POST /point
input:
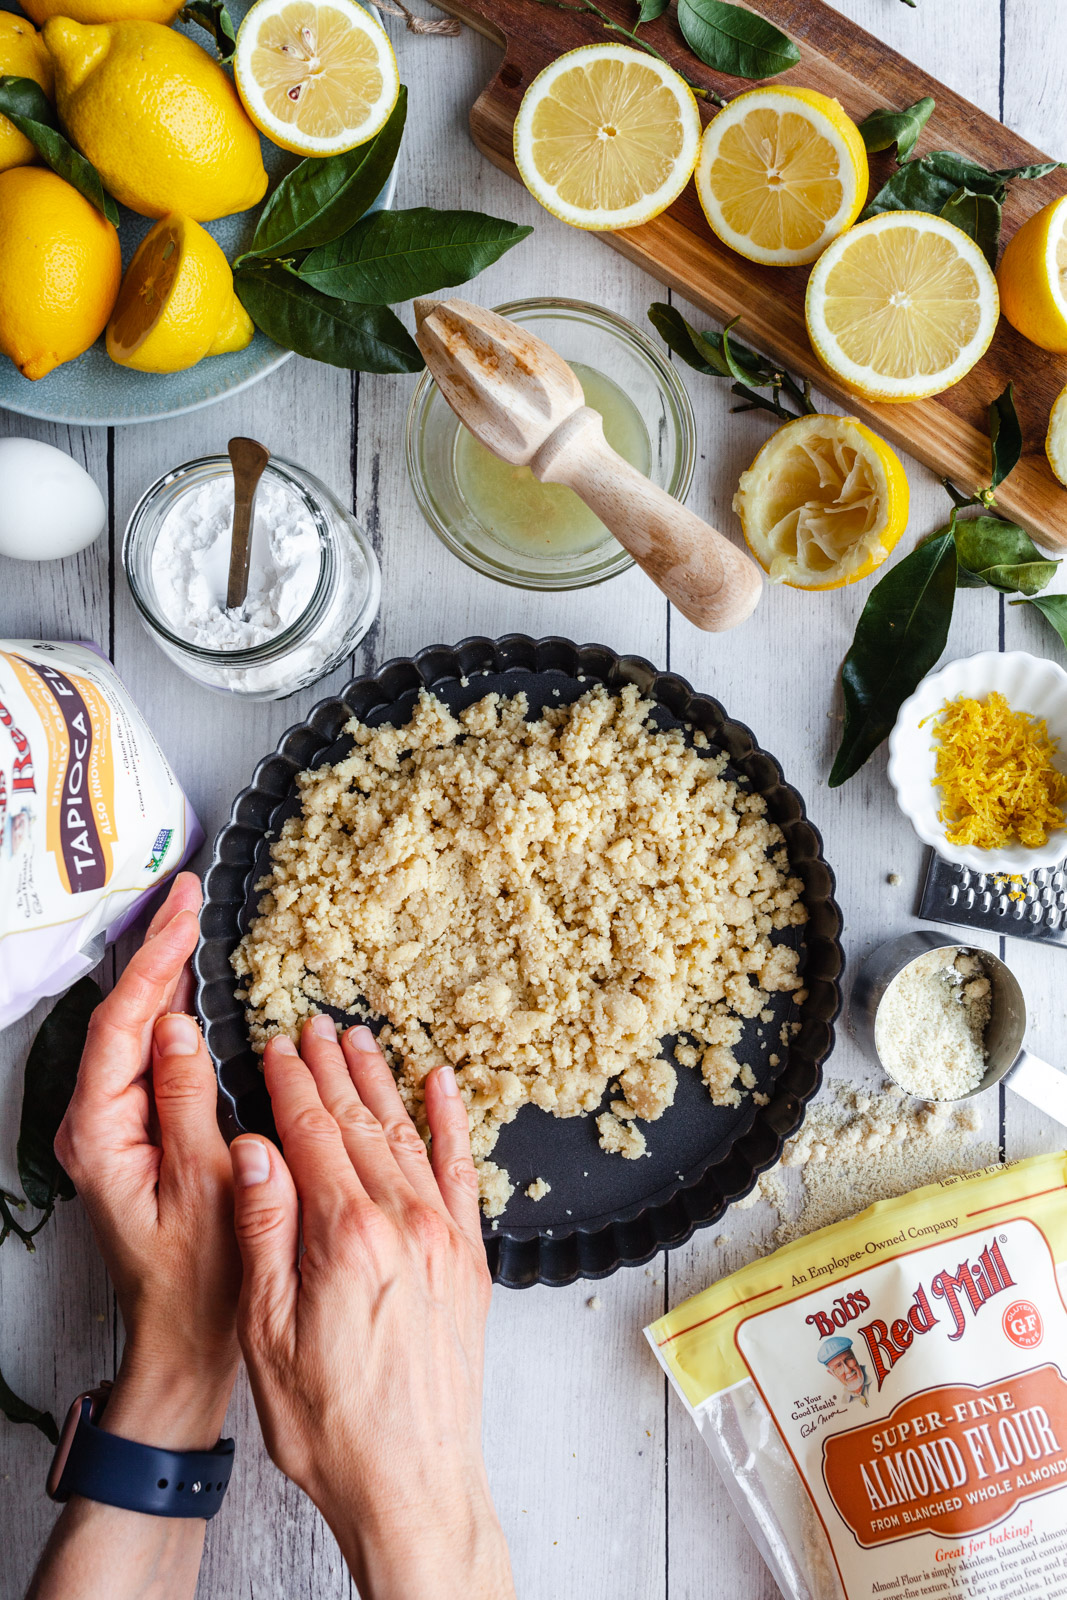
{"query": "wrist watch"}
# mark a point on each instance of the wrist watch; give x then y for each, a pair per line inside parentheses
(137, 1477)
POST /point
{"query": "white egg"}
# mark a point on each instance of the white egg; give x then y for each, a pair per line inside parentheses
(49, 506)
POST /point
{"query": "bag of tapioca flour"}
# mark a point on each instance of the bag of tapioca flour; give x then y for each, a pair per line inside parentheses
(91, 817)
(887, 1398)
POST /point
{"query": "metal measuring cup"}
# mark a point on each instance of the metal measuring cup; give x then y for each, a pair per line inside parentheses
(1009, 1062)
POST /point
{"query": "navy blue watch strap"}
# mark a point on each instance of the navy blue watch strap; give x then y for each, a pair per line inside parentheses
(141, 1477)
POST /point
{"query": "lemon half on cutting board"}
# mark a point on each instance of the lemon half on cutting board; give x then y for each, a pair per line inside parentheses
(901, 306)
(315, 78)
(780, 173)
(823, 504)
(1032, 278)
(606, 137)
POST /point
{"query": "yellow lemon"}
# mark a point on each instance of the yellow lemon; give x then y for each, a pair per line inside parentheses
(606, 137)
(176, 303)
(157, 117)
(316, 78)
(901, 306)
(1032, 277)
(102, 10)
(823, 504)
(780, 173)
(22, 53)
(1056, 438)
(60, 268)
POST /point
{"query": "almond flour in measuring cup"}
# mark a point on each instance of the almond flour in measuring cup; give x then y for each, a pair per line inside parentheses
(313, 589)
(931, 1024)
(885, 1399)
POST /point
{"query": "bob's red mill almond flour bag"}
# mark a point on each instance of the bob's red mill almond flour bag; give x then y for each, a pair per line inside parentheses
(91, 816)
(887, 1398)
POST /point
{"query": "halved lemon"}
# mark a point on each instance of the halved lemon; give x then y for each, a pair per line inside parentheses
(823, 503)
(316, 78)
(606, 136)
(902, 306)
(780, 173)
(1056, 438)
(176, 304)
(1032, 278)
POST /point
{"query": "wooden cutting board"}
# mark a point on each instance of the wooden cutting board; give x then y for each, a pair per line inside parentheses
(948, 433)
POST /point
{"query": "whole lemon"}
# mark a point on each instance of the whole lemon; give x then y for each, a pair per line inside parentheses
(102, 10)
(176, 303)
(60, 269)
(22, 53)
(157, 117)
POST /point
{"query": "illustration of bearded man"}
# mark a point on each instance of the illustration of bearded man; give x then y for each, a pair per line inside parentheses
(839, 1359)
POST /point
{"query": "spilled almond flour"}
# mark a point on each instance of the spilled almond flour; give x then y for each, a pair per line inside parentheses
(538, 902)
(859, 1145)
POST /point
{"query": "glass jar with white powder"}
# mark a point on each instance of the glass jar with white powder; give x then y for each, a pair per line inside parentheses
(313, 590)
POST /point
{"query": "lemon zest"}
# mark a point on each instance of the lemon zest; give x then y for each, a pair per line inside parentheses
(997, 775)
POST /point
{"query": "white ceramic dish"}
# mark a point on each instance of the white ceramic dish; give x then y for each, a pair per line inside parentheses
(1028, 683)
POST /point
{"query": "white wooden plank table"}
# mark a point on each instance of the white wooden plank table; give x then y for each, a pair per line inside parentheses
(603, 1486)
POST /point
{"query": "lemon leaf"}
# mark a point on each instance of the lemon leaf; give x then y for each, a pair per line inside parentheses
(326, 195)
(735, 41)
(296, 316)
(902, 630)
(978, 215)
(1001, 555)
(720, 356)
(396, 255)
(649, 10)
(24, 103)
(213, 17)
(51, 1073)
(15, 1409)
(1005, 435)
(885, 128)
(1053, 607)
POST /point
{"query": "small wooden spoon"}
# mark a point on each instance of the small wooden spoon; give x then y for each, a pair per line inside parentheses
(248, 458)
(523, 402)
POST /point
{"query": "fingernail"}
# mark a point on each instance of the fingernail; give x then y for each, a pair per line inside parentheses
(177, 1035)
(446, 1079)
(282, 1045)
(324, 1027)
(361, 1038)
(251, 1162)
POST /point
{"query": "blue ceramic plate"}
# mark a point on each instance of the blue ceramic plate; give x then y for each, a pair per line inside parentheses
(94, 391)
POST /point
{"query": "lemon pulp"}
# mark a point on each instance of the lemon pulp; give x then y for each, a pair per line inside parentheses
(316, 71)
(901, 306)
(781, 172)
(606, 137)
(547, 519)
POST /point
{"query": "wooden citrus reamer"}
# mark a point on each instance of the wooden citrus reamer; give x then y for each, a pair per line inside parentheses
(523, 402)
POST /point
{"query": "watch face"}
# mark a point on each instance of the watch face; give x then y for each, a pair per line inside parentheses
(66, 1439)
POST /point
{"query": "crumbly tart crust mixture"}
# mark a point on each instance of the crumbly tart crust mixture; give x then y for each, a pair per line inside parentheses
(536, 902)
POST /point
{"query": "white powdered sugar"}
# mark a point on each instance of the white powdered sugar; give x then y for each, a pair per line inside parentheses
(191, 561)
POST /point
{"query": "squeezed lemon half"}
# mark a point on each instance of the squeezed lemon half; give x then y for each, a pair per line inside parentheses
(901, 306)
(606, 137)
(823, 504)
(317, 79)
(780, 173)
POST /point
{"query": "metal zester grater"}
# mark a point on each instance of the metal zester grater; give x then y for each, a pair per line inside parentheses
(984, 900)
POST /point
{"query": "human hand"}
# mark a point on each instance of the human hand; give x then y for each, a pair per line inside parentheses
(365, 1353)
(141, 1143)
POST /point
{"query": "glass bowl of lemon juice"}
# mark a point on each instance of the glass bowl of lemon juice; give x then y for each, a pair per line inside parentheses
(497, 517)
